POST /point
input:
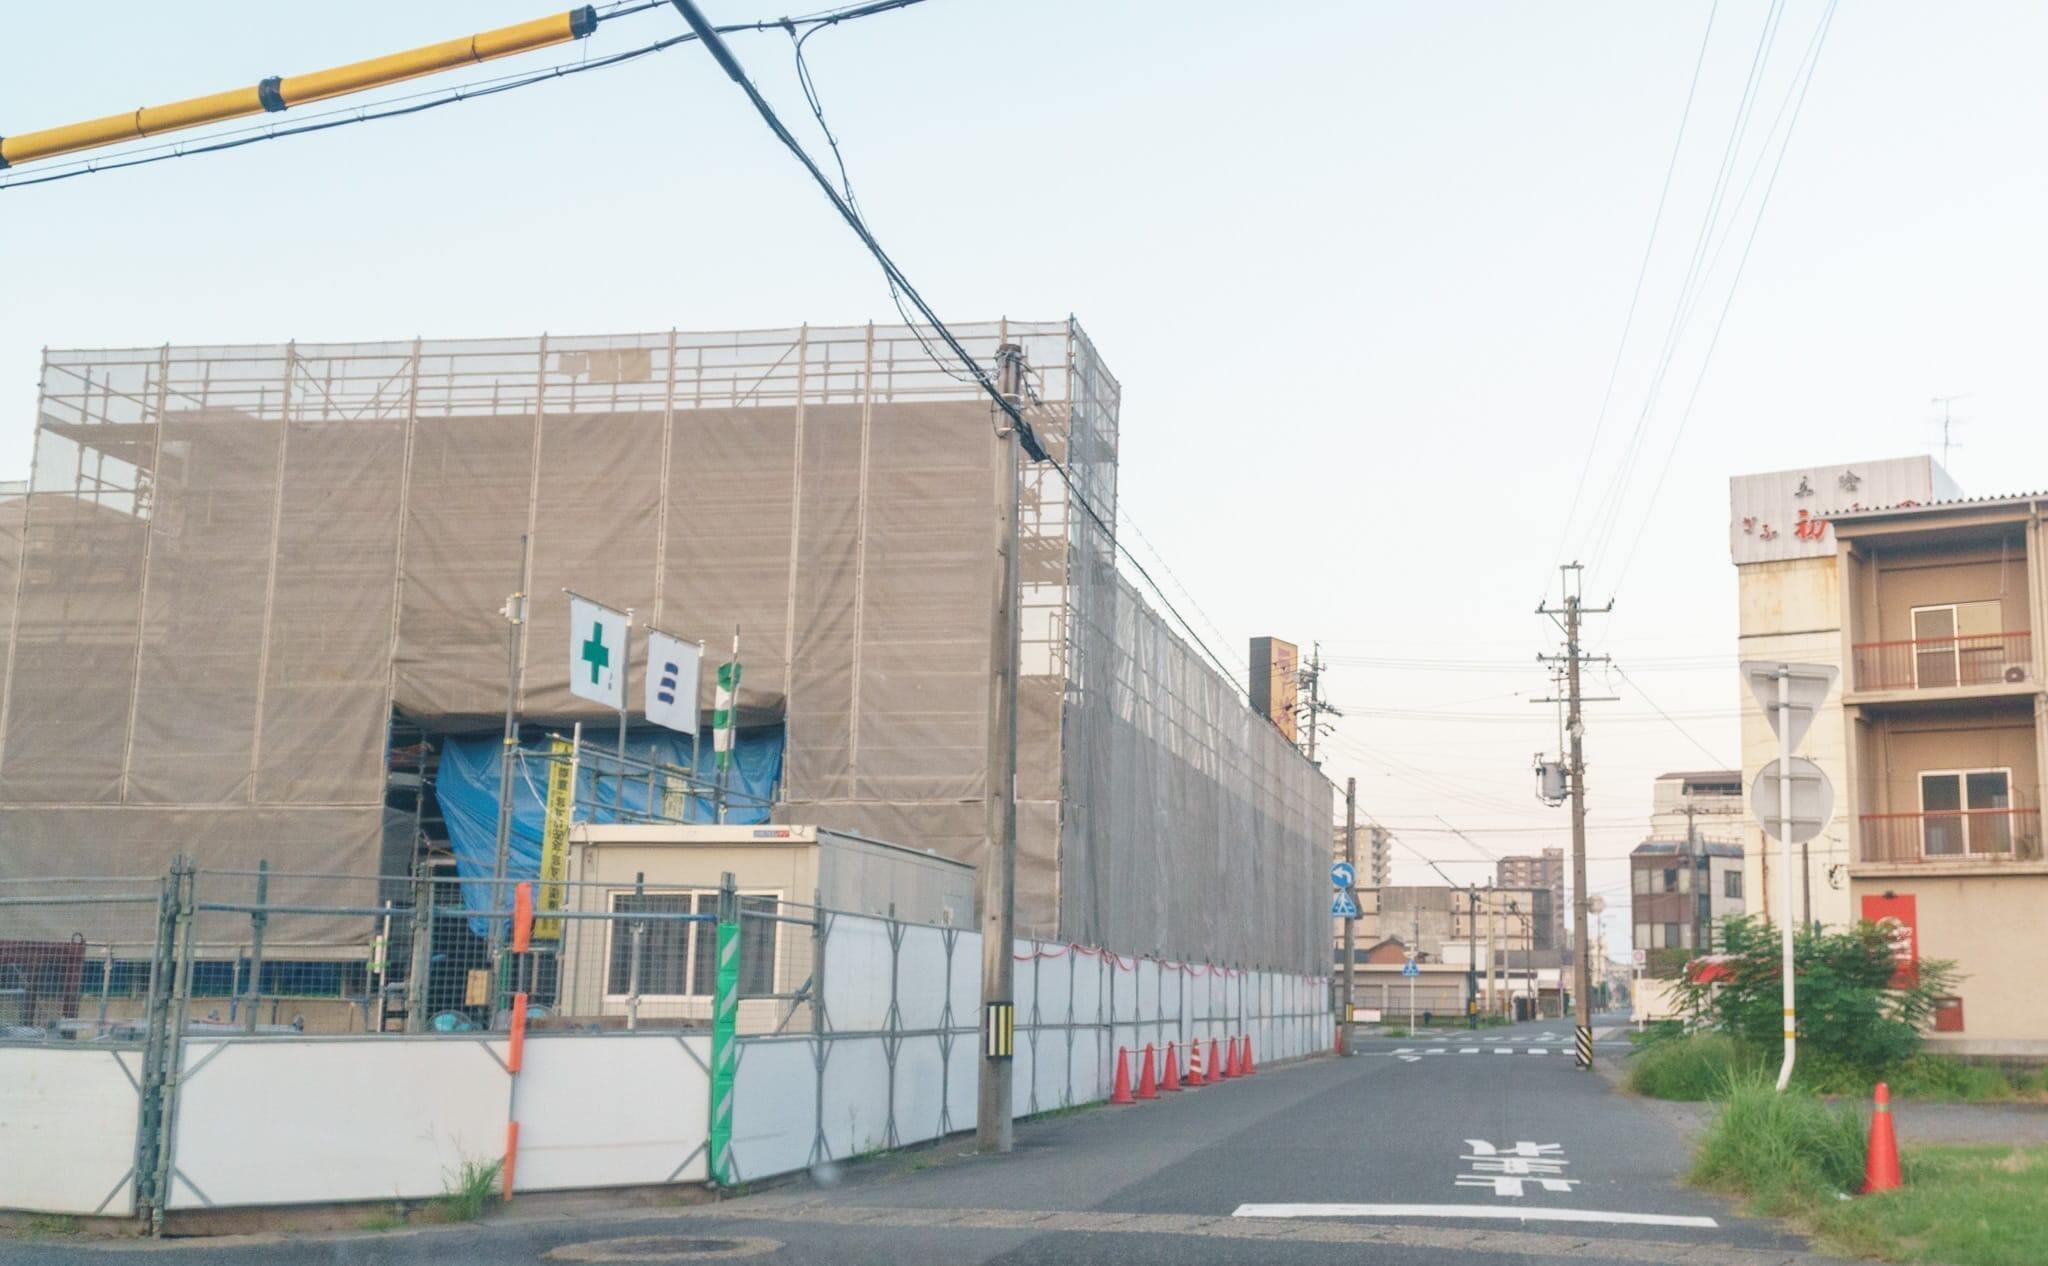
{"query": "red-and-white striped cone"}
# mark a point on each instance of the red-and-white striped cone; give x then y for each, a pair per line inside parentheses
(1148, 1086)
(1121, 1091)
(1195, 1078)
(1172, 1079)
(1881, 1164)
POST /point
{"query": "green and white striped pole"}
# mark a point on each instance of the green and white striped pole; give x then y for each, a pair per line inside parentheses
(725, 709)
(725, 1015)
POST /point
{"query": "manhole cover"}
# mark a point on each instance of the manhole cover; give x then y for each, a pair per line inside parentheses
(665, 1248)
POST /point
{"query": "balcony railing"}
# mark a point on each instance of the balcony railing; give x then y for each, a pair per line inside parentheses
(1967, 835)
(1930, 663)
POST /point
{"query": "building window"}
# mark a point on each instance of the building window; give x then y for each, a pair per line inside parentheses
(1670, 881)
(1731, 884)
(1671, 935)
(1642, 940)
(679, 959)
(1965, 811)
(1642, 882)
(1685, 880)
(1685, 935)
(1958, 644)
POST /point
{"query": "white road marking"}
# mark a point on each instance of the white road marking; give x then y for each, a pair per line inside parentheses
(1537, 1050)
(1478, 1211)
(1409, 1059)
(1503, 1050)
(1468, 1050)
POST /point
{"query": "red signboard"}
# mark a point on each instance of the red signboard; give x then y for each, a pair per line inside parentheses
(1897, 916)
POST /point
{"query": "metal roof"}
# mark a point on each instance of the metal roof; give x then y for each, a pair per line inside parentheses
(1923, 507)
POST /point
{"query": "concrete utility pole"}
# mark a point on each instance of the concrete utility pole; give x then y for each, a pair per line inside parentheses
(1573, 611)
(1350, 925)
(514, 612)
(1310, 679)
(1472, 956)
(992, 1127)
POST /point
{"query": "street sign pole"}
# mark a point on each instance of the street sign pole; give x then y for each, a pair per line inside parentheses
(1785, 871)
(1350, 925)
(1791, 695)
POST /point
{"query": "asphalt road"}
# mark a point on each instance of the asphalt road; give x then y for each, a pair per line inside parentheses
(1469, 1148)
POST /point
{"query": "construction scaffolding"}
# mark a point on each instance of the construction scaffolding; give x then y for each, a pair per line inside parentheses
(252, 583)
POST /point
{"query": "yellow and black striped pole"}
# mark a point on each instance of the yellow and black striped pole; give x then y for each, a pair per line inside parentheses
(280, 92)
(1584, 1034)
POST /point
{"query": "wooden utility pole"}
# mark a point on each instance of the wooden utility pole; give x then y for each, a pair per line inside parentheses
(1573, 611)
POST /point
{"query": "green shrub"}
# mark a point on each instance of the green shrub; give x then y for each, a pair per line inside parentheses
(1968, 1206)
(469, 1190)
(1789, 1153)
(1690, 1068)
(1850, 1018)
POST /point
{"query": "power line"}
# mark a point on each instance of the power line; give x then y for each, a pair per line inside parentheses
(1635, 296)
(1606, 516)
(1711, 755)
(1026, 435)
(1813, 63)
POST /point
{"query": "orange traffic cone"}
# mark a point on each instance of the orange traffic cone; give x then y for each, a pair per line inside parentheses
(1172, 1079)
(1216, 1061)
(1195, 1064)
(1881, 1168)
(1121, 1092)
(1148, 1087)
(1232, 1065)
(1248, 1069)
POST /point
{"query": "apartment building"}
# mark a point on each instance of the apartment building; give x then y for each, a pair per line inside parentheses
(1375, 853)
(1938, 734)
(1538, 870)
(1702, 802)
(1681, 889)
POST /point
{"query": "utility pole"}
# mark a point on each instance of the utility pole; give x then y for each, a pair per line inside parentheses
(992, 1126)
(1350, 925)
(1311, 684)
(1471, 956)
(1573, 611)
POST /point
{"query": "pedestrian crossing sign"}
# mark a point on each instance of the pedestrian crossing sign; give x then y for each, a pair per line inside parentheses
(1343, 906)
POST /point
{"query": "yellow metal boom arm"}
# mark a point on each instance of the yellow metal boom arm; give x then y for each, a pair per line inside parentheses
(282, 91)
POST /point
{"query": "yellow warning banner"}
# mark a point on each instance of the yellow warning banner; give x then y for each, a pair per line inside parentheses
(554, 839)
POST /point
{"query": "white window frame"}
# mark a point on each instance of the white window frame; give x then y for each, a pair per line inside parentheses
(698, 897)
(1962, 777)
(1955, 637)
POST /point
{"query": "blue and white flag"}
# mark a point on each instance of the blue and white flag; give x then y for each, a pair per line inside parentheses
(672, 668)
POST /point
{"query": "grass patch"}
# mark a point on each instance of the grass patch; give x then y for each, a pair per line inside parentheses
(1394, 1032)
(1702, 1066)
(1966, 1206)
(1789, 1154)
(1054, 1114)
(52, 1224)
(384, 1220)
(470, 1191)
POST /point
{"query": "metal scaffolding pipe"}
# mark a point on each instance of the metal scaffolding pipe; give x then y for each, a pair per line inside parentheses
(280, 92)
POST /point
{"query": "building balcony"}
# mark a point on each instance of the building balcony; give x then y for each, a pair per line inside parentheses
(1999, 660)
(1964, 838)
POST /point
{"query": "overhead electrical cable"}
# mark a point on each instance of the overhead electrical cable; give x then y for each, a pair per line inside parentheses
(1635, 295)
(1820, 38)
(709, 36)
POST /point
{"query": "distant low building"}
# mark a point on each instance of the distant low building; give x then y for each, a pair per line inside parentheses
(1681, 889)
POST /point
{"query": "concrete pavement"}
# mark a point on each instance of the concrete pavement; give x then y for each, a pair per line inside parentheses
(1459, 1156)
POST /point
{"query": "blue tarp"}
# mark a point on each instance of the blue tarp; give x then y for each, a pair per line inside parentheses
(467, 790)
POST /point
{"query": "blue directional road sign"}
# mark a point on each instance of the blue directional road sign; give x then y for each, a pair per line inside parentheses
(1342, 906)
(1410, 969)
(1343, 875)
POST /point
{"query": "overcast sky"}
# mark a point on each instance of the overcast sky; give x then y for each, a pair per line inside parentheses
(1362, 269)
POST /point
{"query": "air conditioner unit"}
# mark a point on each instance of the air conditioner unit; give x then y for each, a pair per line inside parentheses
(2015, 673)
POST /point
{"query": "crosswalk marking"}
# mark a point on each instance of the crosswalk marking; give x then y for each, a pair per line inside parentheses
(1510, 1212)
(1412, 1055)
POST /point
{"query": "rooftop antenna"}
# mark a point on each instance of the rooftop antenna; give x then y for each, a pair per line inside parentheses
(1948, 420)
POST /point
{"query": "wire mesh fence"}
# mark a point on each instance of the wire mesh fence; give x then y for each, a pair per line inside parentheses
(258, 952)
